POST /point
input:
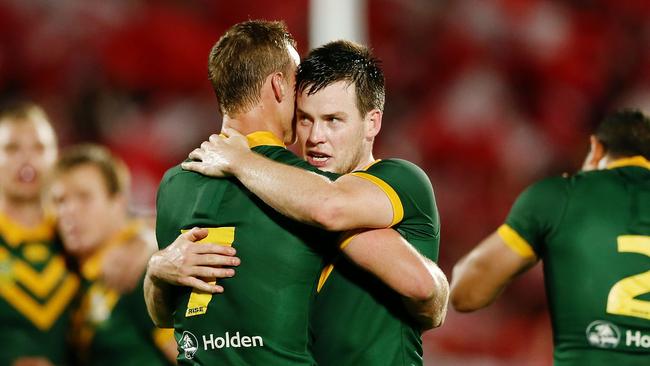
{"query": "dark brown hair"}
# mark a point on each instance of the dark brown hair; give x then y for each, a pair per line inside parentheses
(625, 133)
(344, 61)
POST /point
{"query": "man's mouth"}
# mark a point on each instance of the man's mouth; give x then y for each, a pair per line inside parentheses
(27, 174)
(317, 159)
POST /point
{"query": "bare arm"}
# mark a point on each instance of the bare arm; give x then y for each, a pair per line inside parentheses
(184, 263)
(479, 277)
(348, 203)
(421, 283)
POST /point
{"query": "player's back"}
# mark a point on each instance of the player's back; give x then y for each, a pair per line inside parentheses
(262, 317)
(596, 256)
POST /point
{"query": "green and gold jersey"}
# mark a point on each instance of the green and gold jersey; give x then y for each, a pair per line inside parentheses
(262, 317)
(112, 328)
(357, 320)
(36, 292)
(592, 232)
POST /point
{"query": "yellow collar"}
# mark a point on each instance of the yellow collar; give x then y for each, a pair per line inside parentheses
(637, 160)
(263, 138)
(14, 233)
(91, 267)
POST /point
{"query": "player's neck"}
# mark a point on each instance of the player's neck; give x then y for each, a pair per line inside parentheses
(27, 212)
(119, 225)
(365, 162)
(253, 121)
(367, 158)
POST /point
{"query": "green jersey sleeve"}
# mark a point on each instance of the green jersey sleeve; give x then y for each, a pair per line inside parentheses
(534, 215)
(415, 215)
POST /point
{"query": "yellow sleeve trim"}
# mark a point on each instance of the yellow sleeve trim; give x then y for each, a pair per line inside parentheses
(398, 209)
(325, 273)
(513, 240)
(162, 337)
(347, 239)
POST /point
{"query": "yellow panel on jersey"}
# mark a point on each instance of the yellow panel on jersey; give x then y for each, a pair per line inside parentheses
(40, 283)
(398, 209)
(14, 234)
(42, 315)
(515, 242)
(198, 302)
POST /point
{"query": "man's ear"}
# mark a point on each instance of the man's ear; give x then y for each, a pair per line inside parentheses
(596, 153)
(373, 123)
(278, 86)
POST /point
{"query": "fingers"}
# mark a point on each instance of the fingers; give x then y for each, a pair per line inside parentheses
(211, 272)
(231, 132)
(215, 139)
(195, 234)
(201, 285)
(194, 166)
(196, 154)
(213, 248)
(215, 260)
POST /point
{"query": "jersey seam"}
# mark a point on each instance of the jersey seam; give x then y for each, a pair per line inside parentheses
(565, 206)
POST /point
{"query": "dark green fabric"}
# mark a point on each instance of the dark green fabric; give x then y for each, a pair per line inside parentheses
(358, 320)
(20, 337)
(271, 294)
(574, 224)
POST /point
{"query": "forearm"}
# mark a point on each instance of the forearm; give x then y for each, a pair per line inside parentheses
(430, 312)
(393, 260)
(298, 194)
(157, 297)
(481, 275)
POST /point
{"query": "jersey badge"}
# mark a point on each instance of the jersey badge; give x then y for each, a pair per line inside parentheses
(603, 334)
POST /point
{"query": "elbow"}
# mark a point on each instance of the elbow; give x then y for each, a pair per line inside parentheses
(466, 301)
(329, 215)
(429, 285)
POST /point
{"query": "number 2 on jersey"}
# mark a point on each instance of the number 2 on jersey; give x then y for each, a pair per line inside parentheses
(621, 299)
(198, 303)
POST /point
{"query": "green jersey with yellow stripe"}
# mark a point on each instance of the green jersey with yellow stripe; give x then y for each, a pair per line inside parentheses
(592, 232)
(112, 328)
(262, 317)
(36, 293)
(357, 320)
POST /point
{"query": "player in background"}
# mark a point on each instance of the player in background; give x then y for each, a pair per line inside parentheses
(268, 301)
(36, 287)
(592, 233)
(357, 319)
(89, 192)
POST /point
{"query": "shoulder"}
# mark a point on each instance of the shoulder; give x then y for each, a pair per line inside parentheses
(401, 175)
(551, 185)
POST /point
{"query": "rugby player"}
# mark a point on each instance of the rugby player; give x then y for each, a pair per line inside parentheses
(592, 233)
(89, 192)
(357, 318)
(262, 317)
(36, 288)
